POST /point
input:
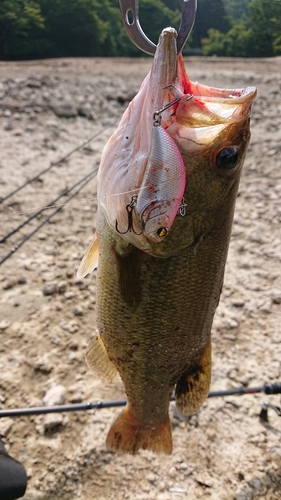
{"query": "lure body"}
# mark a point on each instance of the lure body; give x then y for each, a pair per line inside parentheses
(162, 186)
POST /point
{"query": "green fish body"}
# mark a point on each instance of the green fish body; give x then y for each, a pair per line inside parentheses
(157, 291)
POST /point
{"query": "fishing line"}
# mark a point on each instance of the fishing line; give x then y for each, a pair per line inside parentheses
(58, 162)
(95, 198)
(19, 245)
(51, 205)
(272, 388)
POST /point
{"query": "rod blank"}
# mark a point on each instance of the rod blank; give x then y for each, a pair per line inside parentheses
(274, 388)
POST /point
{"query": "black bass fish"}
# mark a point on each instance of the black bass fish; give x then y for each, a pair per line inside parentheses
(167, 185)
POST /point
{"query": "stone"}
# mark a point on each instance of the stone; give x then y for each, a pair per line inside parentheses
(55, 396)
(9, 126)
(43, 365)
(63, 109)
(50, 288)
(9, 283)
(78, 311)
(4, 324)
(33, 82)
(62, 285)
(276, 296)
(52, 422)
(86, 111)
(5, 426)
(22, 280)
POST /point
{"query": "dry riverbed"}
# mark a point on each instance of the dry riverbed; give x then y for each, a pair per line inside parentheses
(47, 316)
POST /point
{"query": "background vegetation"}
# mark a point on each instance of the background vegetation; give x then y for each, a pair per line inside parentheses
(56, 28)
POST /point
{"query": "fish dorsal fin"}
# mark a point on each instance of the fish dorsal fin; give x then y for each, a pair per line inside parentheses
(90, 259)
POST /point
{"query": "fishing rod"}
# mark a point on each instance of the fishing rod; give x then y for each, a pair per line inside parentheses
(268, 388)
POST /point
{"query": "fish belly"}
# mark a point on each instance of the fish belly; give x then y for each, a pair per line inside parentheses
(154, 318)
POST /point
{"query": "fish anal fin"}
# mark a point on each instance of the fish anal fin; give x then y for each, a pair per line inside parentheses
(90, 259)
(98, 360)
(128, 435)
(193, 386)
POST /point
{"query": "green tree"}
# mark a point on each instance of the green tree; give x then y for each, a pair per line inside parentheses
(73, 27)
(233, 43)
(210, 14)
(18, 18)
(265, 26)
(256, 36)
(237, 10)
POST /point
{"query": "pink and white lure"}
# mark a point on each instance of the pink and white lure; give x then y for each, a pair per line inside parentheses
(162, 187)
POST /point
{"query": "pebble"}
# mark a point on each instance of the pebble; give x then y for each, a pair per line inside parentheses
(5, 426)
(50, 288)
(22, 280)
(4, 324)
(9, 126)
(276, 296)
(52, 422)
(86, 111)
(9, 283)
(42, 364)
(78, 311)
(266, 306)
(64, 109)
(33, 82)
(62, 285)
(238, 302)
(55, 396)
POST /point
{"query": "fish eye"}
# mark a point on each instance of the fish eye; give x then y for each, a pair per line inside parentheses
(227, 158)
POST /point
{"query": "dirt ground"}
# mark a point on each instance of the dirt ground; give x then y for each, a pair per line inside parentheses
(47, 316)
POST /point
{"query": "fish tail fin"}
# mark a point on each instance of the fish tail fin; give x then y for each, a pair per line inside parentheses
(193, 386)
(128, 435)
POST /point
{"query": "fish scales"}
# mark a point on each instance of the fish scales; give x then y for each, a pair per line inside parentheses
(157, 295)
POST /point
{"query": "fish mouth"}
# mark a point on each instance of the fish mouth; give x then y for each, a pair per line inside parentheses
(201, 112)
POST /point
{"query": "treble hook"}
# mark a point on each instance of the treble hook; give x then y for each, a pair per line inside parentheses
(130, 207)
(130, 18)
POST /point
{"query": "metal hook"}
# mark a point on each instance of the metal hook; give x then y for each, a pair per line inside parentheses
(157, 114)
(130, 17)
(130, 207)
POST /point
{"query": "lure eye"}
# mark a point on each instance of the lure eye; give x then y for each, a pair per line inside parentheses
(162, 231)
(227, 159)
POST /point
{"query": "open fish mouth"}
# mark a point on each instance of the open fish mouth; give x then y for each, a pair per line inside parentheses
(200, 112)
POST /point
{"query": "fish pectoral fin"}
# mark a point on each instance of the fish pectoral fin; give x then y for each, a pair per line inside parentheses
(193, 386)
(90, 260)
(98, 360)
(129, 436)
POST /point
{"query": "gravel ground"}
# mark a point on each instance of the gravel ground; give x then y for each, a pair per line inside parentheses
(47, 316)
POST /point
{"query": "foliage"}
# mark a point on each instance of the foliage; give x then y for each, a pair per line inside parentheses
(18, 18)
(56, 28)
(211, 14)
(74, 27)
(256, 36)
(237, 10)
